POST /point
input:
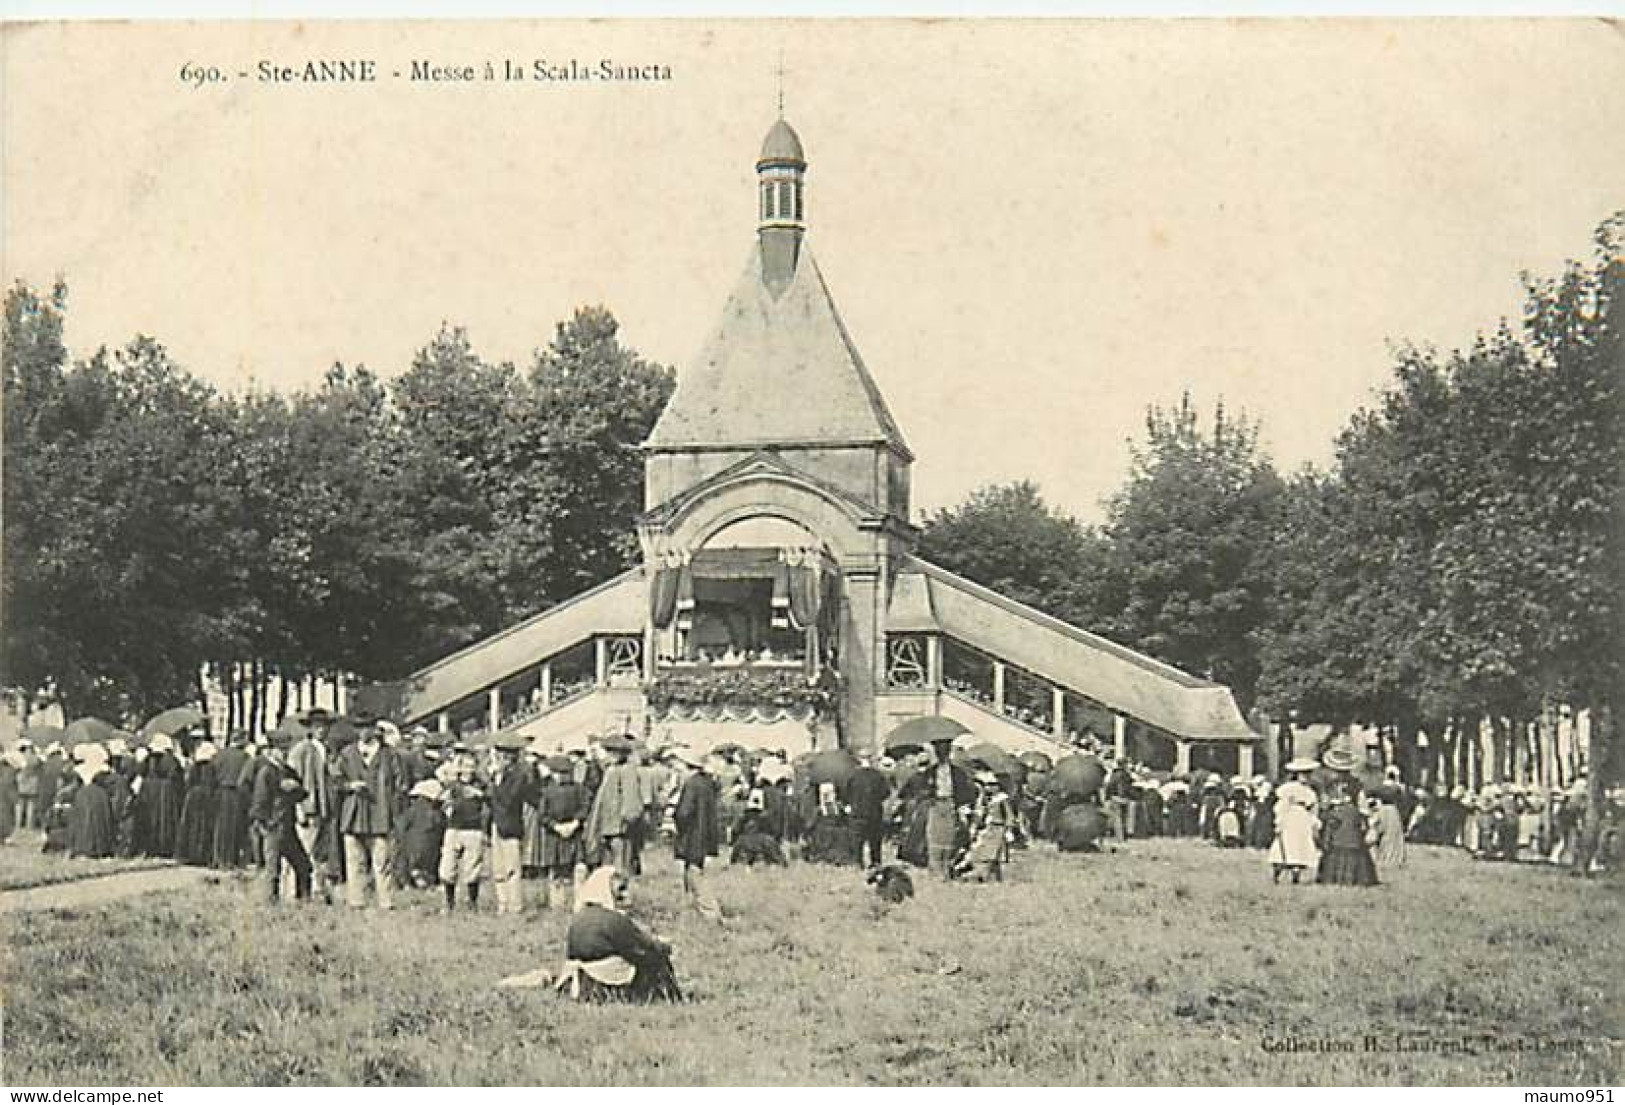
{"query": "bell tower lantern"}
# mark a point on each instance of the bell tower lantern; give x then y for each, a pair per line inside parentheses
(781, 172)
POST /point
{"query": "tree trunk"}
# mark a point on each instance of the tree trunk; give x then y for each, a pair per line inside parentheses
(1404, 733)
(257, 703)
(1598, 771)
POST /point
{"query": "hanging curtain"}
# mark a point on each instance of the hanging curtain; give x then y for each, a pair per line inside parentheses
(806, 599)
(781, 595)
(685, 594)
(663, 596)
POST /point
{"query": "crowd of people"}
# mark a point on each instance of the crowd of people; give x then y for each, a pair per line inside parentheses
(1503, 822)
(327, 806)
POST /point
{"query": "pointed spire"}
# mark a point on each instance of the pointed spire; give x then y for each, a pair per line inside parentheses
(781, 82)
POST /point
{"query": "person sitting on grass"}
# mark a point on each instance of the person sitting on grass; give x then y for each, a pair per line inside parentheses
(832, 839)
(983, 860)
(607, 956)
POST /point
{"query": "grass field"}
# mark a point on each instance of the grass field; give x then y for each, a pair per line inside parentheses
(23, 865)
(1170, 962)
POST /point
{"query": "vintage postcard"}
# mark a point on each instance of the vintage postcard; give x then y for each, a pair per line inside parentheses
(891, 552)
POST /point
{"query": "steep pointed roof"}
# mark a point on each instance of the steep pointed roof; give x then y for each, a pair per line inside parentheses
(778, 370)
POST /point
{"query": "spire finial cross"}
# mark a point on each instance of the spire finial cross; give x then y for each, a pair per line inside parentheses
(781, 82)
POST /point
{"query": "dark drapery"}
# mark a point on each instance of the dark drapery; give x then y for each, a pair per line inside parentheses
(663, 596)
(806, 595)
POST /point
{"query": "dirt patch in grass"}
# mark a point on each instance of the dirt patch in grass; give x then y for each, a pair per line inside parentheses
(23, 866)
(1170, 963)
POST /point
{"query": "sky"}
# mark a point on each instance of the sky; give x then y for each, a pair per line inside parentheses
(1033, 230)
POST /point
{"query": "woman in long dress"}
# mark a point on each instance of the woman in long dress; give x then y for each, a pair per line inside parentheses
(160, 798)
(195, 837)
(1293, 850)
(1345, 858)
(560, 812)
(92, 821)
(1387, 830)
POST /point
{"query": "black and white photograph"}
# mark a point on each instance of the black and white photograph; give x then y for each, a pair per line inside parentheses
(812, 552)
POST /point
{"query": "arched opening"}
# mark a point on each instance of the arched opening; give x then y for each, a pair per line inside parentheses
(757, 593)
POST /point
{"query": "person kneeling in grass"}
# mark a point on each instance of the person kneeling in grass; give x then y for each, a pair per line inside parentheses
(607, 956)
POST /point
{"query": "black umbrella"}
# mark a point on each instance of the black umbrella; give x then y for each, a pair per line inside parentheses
(994, 758)
(920, 732)
(834, 766)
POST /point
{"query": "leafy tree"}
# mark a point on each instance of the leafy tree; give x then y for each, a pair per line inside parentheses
(1189, 536)
(591, 403)
(33, 363)
(1008, 538)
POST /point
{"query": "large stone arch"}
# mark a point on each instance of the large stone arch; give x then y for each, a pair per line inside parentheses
(772, 494)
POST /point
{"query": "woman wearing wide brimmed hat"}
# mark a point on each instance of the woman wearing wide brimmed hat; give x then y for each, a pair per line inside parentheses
(1293, 849)
(1345, 858)
(939, 796)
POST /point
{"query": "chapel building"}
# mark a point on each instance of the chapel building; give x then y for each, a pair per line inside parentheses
(779, 602)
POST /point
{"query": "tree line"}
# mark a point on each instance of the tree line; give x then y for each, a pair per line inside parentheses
(1457, 566)
(158, 531)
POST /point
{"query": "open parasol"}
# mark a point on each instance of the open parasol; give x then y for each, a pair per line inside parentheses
(834, 766)
(1077, 777)
(994, 758)
(172, 721)
(44, 735)
(918, 733)
(90, 730)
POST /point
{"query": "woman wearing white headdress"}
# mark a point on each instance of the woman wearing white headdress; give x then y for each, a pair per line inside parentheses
(607, 956)
(92, 828)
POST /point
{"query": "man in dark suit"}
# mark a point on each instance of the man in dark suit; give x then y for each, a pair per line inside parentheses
(276, 795)
(513, 786)
(367, 781)
(699, 830)
(866, 794)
